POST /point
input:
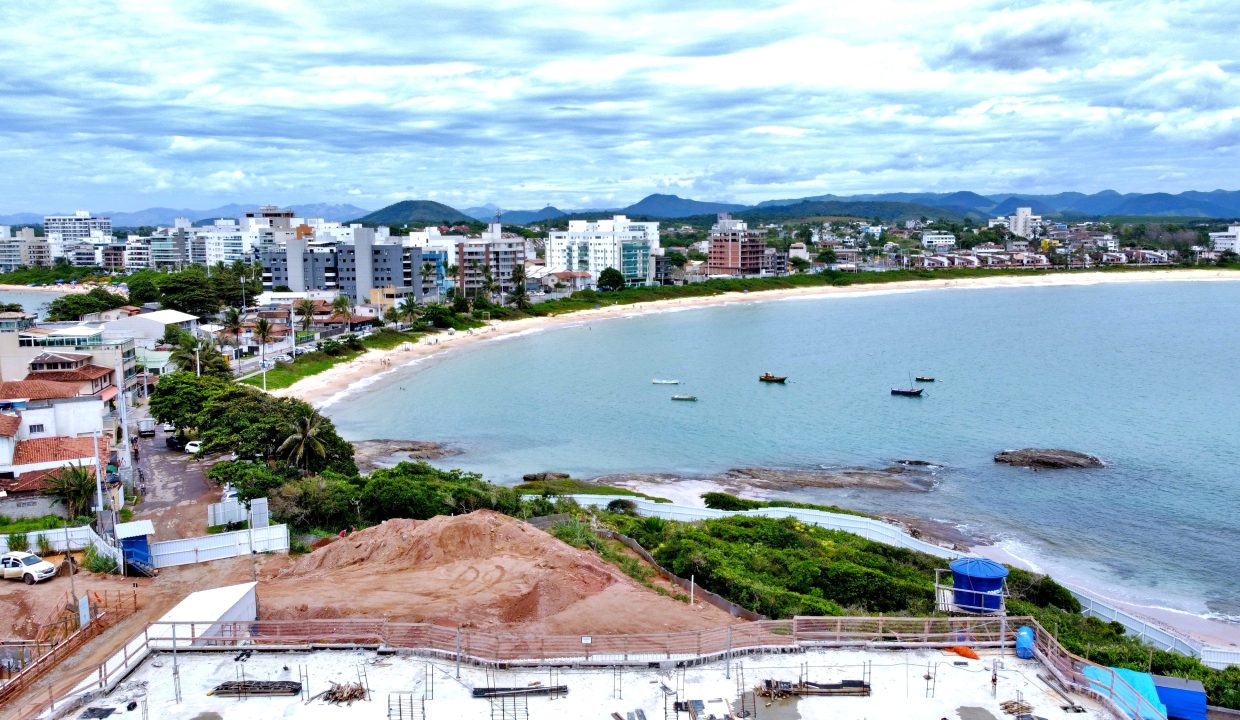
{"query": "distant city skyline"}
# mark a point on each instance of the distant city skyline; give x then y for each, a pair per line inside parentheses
(527, 104)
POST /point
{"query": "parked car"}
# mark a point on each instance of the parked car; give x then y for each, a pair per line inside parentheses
(193, 446)
(284, 358)
(28, 567)
(168, 427)
(175, 442)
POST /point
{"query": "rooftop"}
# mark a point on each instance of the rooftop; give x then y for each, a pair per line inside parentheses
(898, 687)
(86, 372)
(36, 389)
(168, 317)
(57, 449)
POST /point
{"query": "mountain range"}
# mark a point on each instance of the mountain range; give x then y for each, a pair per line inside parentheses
(1214, 204)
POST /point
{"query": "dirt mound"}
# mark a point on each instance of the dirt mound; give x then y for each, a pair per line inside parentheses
(479, 570)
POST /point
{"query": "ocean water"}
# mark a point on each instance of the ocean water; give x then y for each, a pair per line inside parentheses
(1142, 375)
(31, 301)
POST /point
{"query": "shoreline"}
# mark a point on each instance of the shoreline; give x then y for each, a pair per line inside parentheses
(335, 383)
(341, 381)
(49, 289)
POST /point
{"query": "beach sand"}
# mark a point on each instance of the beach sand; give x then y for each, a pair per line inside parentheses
(335, 383)
(338, 382)
(49, 289)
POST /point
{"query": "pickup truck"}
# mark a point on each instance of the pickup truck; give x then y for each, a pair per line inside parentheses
(146, 427)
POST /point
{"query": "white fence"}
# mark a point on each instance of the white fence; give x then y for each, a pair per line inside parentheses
(226, 513)
(217, 547)
(60, 539)
(879, 531)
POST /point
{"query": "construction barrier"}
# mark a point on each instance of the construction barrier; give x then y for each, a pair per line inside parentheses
(185, 551)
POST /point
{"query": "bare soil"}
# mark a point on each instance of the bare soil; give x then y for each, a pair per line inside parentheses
(482, 570)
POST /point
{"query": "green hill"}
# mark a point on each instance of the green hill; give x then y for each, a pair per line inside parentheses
(415, 212)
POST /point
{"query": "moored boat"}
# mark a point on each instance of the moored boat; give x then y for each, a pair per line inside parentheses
(907, 392)
(769, 378)
(686, 398)
(658, 381)
(924, 378)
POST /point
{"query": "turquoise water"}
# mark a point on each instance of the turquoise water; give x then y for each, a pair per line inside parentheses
(1142, 375)
(32, 302)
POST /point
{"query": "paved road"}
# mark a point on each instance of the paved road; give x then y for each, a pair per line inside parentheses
(177, 488)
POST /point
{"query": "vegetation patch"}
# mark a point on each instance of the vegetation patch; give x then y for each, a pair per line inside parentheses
(727, 501)
(569, 486)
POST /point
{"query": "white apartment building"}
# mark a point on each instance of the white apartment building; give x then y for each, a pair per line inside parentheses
(77, 227)
(1224, 241)
(1024, 222)
(593, 246)
(493, 253)
(137, 253)
(938, 240)
(429, 239)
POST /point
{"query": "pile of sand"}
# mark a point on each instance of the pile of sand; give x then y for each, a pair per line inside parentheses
(482, 570)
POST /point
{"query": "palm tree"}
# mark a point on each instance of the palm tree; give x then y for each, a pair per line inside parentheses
(409, 309)
(520, 296)
(305, 308)
(200, 355)
(74, 486)
(343, 306)
(302, 443)
(392, 315)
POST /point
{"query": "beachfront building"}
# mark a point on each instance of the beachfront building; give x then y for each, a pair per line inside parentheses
(79, 227)
(593, 246)
(491, 254)
(734, 248)
(938, 240)
(1224, 241)
(355, 269)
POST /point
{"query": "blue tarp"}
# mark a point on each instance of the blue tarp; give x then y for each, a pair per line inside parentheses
(1139, 683)
(1185, 699)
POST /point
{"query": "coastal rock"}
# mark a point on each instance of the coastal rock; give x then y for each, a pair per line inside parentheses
(543, 476)
(372, 454)
(895, 477)
(1047, 459)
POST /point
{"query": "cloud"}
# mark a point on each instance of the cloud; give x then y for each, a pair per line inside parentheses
(522, 103)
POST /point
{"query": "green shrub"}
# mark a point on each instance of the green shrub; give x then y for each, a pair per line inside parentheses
(625, 507)
(19, 542)
(126, 514)
(98, 562)
(44, 545)
(297, 546)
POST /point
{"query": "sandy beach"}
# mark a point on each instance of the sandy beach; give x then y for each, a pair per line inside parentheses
(337, 382)
(49, 289)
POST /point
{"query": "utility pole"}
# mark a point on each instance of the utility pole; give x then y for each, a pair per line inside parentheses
(197, 360)
(126, 457)
(98, 484)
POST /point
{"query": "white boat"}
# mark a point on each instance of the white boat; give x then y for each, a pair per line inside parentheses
(657, 381)
(686, 398)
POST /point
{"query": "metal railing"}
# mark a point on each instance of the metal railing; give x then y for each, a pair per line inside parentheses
(879, 531)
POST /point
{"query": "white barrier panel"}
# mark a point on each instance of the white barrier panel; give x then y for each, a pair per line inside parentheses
(60, 539)
(217, 547)
(887, 534)
(227, 513)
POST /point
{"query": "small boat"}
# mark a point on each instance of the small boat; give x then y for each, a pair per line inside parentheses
(907, 392)
(924, 378)
(657, 381)
(686, 398)
(769, 378)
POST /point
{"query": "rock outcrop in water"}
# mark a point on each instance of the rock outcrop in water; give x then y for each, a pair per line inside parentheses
(1047, 459)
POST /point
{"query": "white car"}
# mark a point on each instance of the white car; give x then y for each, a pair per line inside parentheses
(193, 446)
(28, 567)
(168, 427)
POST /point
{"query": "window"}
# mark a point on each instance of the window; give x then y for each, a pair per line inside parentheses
(36, 428)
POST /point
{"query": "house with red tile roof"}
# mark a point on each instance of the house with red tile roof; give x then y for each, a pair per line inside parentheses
(25, 466)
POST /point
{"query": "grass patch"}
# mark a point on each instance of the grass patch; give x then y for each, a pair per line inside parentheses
(230, 527)
(579, 535)
(24, 525)
(311, 363)
(569, 486)
(387, 338)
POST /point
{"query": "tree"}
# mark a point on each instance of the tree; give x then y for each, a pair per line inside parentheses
(199, 356)
(676, 259)
(460, 303)
(12, 307)
(342, 305)
(610, 279)
(189, 291)
(263, 332)
(438, 315)
(302, 446)
(392, 315)
(74, 487)
(409, 310)
(232, 324)
(73, 307)
(827, 256)
(799, 264)
(142, 290)
(519, 295)
(305, 308)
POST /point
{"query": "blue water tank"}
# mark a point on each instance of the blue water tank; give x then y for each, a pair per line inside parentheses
(1024, 642)
(978, 584)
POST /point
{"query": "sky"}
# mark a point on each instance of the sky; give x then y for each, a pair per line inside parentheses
(597, 103)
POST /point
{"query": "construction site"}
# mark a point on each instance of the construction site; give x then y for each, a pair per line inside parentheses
(486, 616)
